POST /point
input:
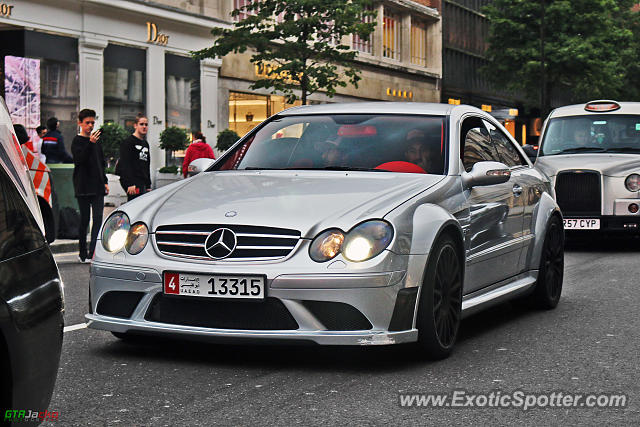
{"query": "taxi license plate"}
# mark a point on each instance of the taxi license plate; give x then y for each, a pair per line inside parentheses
(214, 285)
(581, 224)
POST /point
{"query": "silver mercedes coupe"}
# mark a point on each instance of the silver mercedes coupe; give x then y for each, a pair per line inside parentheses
(342, 224)
(591, 152)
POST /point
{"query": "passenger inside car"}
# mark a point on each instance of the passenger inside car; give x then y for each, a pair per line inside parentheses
(417, 151)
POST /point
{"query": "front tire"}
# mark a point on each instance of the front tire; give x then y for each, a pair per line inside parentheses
(440, 309)
(546, 294)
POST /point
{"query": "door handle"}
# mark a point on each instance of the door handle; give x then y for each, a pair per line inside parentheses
(517, 190)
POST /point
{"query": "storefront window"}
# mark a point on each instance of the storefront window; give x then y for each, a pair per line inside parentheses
(247, 110)
(182, 97)
(41, 80)
(124, 84)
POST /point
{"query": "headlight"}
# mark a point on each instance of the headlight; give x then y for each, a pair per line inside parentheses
(137, 238)
(115, 232)
(367, 240)
(326, 245)
(632, 182)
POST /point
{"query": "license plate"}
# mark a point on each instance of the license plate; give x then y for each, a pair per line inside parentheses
(214, 285)
(581, 224)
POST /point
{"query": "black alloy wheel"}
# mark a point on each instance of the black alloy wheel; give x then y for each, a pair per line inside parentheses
(440, 310)
(550, 275)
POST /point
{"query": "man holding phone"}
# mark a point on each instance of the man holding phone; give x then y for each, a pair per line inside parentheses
(89, 180)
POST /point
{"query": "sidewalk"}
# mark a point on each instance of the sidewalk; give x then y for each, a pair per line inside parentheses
(60, 246)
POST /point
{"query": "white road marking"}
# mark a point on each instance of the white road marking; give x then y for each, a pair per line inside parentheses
(75, 327)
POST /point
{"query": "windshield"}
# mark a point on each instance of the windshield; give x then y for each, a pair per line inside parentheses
(377, 143)
(601, 133)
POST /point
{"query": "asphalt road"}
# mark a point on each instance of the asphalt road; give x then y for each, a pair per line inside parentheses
(589, 344)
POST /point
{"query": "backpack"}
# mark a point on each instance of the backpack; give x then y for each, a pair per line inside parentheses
(69, 223)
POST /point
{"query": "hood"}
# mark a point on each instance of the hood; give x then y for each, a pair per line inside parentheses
(199, 147)
(308, 201)
(606, 164)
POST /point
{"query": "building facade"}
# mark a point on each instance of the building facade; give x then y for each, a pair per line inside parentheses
(465, 31)
(122, 57)
(118, 57)
(401, 61)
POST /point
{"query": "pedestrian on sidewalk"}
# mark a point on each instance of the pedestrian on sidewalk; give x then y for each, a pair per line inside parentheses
(198, 149)
(89, 180)
(37, 142)
(53, 144)
(133, 165)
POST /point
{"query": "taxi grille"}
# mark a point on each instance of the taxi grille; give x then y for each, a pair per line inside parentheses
(253, 242)
(578, 193)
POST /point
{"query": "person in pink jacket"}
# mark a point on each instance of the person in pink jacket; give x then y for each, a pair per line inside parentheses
(196, 150)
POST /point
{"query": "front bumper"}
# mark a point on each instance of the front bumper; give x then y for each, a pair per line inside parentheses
(234, 335)
(373, 295)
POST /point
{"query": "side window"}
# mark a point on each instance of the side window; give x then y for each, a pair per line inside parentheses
(476, 144)
(19, 232)
(508, 154)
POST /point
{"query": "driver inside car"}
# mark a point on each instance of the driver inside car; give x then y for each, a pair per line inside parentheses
(417, 151)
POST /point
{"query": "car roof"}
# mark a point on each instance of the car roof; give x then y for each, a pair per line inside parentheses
(578, 110)
(421, 108)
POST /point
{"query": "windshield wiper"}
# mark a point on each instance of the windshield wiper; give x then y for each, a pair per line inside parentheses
(350, 168)
(580, 149)
(623, 149)
(255, 168)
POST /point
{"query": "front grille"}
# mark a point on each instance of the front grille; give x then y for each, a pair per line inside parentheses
(578, 193)
(338, 316)
(253, 242)
(269, 314)
(119, 303)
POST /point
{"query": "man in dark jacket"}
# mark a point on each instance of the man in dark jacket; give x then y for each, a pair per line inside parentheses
(133, 166)
(89, 180)
(53, 144)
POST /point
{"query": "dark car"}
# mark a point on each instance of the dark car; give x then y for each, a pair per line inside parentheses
(31, 295)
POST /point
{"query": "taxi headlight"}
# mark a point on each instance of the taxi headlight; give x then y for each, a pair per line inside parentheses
(367, 240)
(137, 238)
(326, 245)
(115, 232)
(632, 182)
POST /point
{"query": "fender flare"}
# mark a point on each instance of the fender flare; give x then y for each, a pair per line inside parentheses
(547, 207)
(429, 223)
(426, 233)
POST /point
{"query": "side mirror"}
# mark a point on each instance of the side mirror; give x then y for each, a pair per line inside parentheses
(486, 173)
(199, 165)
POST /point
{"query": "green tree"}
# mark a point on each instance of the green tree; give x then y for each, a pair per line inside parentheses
(301, 49)
(546, 47)
(226, 139)
(110, 138)
(174, 138)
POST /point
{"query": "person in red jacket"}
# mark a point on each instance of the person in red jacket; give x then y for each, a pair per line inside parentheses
(196, 150)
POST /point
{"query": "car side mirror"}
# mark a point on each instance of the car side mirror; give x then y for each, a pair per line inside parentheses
(486, 173)
(199, 165)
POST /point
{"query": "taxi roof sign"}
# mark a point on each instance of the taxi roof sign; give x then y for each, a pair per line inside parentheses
(602, 106)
